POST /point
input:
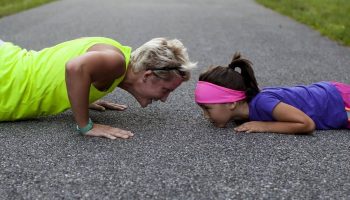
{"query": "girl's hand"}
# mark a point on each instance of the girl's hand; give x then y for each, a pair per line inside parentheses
(102, 105)
(100, 130)
(252, 127)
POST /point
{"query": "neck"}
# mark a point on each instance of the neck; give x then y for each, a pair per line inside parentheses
(129, 81)
(242, 111)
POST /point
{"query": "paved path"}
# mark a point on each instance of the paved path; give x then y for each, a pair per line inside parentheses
(176, 154)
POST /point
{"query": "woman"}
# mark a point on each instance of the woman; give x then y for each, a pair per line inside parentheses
(76, 73)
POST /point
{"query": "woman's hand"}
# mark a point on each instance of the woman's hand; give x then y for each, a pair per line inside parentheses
(102, 105)
(100, 130)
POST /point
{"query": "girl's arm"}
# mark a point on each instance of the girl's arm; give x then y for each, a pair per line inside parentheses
(95, 67)
(289, 120)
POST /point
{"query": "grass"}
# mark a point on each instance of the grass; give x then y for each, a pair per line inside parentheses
(330, 17)
(8, 7)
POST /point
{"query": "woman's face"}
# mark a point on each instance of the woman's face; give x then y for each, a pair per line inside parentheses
(218, 114)
(154, 88)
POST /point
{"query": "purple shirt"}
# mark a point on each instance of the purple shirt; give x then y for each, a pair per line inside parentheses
(321, 101)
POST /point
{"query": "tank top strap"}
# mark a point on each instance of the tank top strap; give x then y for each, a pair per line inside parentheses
(96, 94)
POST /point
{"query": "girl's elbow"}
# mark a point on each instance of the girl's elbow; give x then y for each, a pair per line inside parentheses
(310, 126)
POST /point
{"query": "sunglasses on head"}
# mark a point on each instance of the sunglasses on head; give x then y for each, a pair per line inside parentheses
(177, 69)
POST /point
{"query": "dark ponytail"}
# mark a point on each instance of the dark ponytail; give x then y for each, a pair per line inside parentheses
(247, 74)
(230, 78)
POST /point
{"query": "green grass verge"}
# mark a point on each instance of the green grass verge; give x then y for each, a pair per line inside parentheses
(8, 7)
(330, 17)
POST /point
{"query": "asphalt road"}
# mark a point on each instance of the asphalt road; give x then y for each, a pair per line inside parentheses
(175, 153)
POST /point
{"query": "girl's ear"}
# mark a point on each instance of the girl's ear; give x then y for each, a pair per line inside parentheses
(233, 105)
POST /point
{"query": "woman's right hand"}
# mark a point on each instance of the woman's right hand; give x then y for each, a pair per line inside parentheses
(100, 130)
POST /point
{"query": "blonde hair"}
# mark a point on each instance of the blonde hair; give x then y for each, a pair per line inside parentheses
(164, 57)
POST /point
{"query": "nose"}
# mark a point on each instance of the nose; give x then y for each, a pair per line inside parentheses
(206, 115)
(165, 97)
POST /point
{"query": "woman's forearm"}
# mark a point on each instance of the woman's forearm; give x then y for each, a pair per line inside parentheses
(78, 85)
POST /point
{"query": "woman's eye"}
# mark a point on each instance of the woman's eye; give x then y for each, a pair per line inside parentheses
(166, 91)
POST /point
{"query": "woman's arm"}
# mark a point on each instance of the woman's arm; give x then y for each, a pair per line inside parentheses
(92, 67)
(289, 120)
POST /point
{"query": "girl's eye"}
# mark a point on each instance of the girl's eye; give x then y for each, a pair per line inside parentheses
(165, 91)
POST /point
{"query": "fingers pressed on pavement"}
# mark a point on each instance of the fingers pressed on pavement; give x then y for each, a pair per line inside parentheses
(110, 136)
(97, 107)
(120, 133)
(100, 108)
(115, 106)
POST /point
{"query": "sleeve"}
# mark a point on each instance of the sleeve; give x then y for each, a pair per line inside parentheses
(263, 106)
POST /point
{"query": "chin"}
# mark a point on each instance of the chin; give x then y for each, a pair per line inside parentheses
(220, 125)
(144, 105)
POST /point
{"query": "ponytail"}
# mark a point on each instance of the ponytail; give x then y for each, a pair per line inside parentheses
(247, 74)
(242, 79)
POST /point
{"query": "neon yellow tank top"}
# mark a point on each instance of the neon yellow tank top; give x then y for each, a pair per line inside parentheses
(32, 83)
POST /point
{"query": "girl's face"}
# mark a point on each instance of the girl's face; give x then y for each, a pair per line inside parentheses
(218, 114)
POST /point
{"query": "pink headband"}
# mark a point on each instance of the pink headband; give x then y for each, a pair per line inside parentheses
(210, 93)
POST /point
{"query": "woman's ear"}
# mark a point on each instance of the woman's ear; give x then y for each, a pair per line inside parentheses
(146, 75)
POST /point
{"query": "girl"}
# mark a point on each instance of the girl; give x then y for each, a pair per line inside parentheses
(76, 73)
(225, 94)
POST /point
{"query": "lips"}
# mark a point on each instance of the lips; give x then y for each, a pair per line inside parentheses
(154, 100)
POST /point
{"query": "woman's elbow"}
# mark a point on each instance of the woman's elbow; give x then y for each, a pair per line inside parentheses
(72, 68)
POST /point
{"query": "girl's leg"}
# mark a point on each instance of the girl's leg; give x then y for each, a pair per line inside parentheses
(348, 112)
(344, 90)
(1, 42)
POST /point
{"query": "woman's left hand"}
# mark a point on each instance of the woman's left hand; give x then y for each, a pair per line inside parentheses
(102, 105)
